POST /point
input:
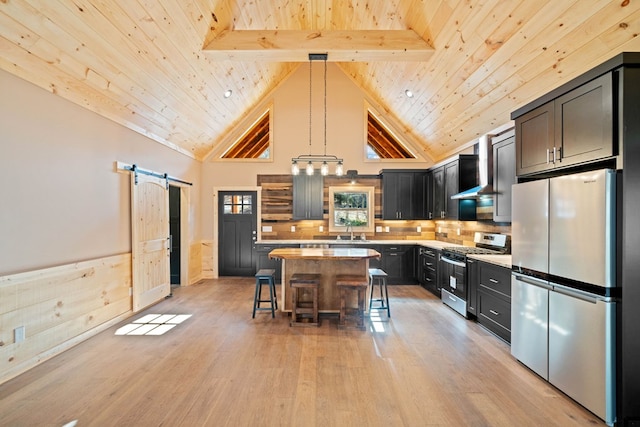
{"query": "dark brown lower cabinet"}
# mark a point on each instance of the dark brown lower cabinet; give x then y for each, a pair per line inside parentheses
(493, 298)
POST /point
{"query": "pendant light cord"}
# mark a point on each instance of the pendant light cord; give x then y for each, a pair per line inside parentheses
(325, 107)
(310, 66)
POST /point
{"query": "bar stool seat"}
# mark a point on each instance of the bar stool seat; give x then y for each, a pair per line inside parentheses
(351, 316)
(265, 276)
(304, 312)
(379, 277)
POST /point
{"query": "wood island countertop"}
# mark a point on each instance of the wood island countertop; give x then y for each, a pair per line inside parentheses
(324, 254)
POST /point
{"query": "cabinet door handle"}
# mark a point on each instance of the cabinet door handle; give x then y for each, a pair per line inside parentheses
(554, 155)
(492, 280)
(548, 153)
(559, 153)
(495, 313)
(430, 215)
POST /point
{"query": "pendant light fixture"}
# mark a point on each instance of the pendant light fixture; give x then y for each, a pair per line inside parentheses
(324, 158)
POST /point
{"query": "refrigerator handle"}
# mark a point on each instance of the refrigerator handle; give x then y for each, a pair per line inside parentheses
(532, 280)
(582, 295)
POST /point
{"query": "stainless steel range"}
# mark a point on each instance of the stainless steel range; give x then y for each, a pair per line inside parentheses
(453, 267)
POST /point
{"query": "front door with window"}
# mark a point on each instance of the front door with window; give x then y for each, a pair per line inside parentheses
(237, 231)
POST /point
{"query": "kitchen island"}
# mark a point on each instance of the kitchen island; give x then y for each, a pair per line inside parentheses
(326, 262)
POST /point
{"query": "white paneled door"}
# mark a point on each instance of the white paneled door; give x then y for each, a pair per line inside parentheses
(150, 244)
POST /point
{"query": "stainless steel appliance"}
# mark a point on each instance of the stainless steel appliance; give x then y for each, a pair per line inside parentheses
(563, 280)
(453, 267)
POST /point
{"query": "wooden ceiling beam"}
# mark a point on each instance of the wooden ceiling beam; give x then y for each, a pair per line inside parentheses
(341, 46)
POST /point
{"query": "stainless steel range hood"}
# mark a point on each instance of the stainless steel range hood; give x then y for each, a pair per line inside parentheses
(485, 172)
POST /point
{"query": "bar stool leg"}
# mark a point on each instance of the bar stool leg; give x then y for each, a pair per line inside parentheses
(270, 284)
(256, 298)
(275, 297)
(386, 295)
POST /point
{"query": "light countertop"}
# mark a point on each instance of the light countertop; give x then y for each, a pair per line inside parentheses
(501, 260)
(435, 244)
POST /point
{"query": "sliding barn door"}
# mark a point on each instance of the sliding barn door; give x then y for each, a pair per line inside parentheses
(150, 246)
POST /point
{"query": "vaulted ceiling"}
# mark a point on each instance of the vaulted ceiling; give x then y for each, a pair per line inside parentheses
(161, 67)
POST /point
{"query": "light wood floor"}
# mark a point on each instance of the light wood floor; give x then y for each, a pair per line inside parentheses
(425, 366)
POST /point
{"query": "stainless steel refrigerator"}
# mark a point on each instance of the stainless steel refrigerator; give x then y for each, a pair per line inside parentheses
(564, 267)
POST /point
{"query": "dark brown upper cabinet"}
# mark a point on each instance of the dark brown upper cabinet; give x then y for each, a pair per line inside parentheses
(308, 196)
(403, 194)
(574, 128)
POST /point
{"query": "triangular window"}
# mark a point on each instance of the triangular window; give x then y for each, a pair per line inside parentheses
(254, 143)
(382, 144)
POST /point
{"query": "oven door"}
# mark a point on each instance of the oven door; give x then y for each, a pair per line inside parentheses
(454, 276)
(454, 284)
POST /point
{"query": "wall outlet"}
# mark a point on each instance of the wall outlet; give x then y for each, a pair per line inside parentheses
(378, 229)
(267, 228)
(18, 334)
(321, 228)
(458, 231)
(293, 228)
(386, 229)
(419, 229)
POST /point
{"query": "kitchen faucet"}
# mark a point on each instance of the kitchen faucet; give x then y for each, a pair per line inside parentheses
(350, 227)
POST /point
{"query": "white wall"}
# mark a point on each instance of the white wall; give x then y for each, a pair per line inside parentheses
(61, 200)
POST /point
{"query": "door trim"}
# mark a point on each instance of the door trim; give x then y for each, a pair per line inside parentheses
(216, 196)
(185, 231)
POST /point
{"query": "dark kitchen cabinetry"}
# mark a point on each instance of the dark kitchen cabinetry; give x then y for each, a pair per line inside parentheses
(428, 270)
(576, 127)
(427, 183)
(535, 139)
(398, 263)
(472, 286)
(308, 196)
(504, 175)
(451, 178)
(493, 298)
(439, 207)
(263, 260)
(403, 194)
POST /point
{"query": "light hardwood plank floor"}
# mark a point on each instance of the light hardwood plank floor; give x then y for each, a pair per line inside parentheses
(426, 366)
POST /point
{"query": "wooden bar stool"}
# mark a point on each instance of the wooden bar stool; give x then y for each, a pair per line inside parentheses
(265, 276)
(379, 276)
(351, 316)
(304, 312)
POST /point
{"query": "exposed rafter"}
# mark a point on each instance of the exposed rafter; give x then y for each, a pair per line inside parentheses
(342, 46)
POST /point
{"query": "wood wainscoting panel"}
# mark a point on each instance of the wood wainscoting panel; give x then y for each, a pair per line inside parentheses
(58, 307)
(195, 262)
(209, 251)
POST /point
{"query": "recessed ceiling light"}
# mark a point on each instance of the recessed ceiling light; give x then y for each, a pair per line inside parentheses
(408, 93)
(227, 93)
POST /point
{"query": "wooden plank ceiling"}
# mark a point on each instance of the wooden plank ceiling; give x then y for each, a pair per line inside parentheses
(143, 63)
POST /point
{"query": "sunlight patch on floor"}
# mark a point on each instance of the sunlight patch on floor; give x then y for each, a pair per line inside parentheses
(377, 323)
(152, 324)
